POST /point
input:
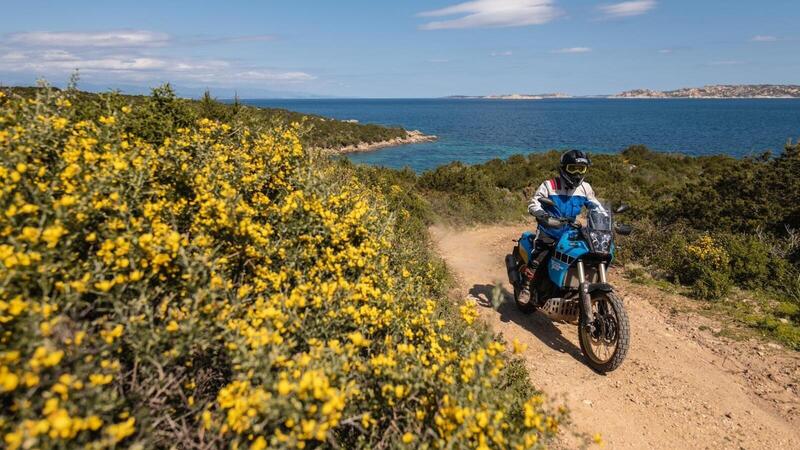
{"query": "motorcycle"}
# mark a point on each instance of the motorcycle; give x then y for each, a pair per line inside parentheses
(571, 285)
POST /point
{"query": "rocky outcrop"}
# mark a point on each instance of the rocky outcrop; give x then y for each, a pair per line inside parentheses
(412, 137)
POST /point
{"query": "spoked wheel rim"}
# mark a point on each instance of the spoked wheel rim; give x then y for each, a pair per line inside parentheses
(602, 343)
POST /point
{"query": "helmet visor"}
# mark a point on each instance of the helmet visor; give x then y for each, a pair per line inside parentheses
(576, 169)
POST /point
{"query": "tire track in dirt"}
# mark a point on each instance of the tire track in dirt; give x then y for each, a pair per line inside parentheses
(674, 390)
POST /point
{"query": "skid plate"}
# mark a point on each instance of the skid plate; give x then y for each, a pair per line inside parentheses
(561, 310)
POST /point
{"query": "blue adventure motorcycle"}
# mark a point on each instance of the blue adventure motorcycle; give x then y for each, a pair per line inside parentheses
(570, 285)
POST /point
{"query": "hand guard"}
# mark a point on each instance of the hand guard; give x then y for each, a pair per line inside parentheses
(553, 222)
(540, 214)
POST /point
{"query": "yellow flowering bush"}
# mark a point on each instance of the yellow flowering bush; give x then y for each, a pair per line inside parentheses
(707, 269)
(706, 250)
(224, 288)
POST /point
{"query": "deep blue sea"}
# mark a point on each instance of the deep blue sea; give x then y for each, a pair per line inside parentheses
(475, 131)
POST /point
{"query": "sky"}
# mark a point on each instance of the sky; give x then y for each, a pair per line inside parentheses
(408, 48)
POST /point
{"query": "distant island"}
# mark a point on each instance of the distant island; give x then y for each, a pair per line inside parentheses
(510, 96)
(719, 91)
(710, 91)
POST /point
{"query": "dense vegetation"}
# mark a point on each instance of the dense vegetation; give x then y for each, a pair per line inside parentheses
(709, 223)
(174, 280)
(315, 131)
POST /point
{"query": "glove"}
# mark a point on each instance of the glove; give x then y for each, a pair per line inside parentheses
(541, 214)
(553, 222)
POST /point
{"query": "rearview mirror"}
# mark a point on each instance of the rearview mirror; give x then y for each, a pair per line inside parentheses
(547, 201)
(622, 208)
(623, 229)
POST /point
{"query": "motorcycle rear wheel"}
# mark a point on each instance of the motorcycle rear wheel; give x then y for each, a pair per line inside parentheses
(605, 348)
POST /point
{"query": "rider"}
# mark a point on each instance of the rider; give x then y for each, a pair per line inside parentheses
(569, 193)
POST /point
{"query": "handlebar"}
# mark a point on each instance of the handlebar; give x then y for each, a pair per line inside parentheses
(558, 222)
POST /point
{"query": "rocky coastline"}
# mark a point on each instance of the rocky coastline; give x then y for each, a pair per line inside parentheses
(412, 137)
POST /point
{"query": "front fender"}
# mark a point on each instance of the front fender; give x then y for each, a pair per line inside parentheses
(599, 287)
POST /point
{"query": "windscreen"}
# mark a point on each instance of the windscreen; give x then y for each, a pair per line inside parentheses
(600, 220)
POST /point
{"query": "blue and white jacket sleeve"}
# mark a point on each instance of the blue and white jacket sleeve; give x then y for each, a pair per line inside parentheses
(591, 199)
(534, 206)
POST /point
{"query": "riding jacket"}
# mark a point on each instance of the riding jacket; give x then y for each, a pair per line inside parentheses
(568, 203)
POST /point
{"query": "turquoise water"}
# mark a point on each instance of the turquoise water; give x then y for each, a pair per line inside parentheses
(475, 131)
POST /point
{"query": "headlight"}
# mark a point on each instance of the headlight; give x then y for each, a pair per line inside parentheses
(600, 241)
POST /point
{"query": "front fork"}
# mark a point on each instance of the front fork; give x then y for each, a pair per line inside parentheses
(586, 299)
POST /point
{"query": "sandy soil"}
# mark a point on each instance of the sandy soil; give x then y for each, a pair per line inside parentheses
(681, 385)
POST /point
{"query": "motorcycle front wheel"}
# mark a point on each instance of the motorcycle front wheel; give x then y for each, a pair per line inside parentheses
(605, 344)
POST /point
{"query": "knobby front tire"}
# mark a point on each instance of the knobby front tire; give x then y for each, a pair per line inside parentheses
(606, 362)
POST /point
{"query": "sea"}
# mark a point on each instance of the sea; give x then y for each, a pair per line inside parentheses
(477, 130)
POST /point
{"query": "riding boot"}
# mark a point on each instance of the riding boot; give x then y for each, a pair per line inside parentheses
(525, 280)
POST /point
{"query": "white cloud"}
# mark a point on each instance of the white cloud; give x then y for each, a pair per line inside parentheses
(666, 51)
(117, 38)
(627, 9)
(270, 75)
(142, 68)
(503, 53)
(763, 38)
(140, 56)
(573, 50)
(438, 60)
(493, 13)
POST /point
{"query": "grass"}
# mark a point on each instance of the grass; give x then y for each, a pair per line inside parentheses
(743, 314)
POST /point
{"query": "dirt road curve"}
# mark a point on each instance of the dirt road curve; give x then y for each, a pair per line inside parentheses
(680, 386)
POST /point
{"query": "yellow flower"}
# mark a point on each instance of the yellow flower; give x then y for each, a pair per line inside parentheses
(109, 335)
(30, 234)
(44, 358)
(16, 306)
(104, 285)
(120, 431)
(94, 423)
(59, 123)
(52, 234)
(8, 380)
(13, 439)
(358, 339)
(408, 438)
(468, 312)
(259, 444)
(108, 120)
(9, 356)
(97, 379)
(172, 326)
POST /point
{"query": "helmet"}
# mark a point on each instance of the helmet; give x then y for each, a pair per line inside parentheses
(573, 167)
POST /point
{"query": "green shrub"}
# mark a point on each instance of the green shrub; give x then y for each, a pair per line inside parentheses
(711, 284)
(706, 269)
(789, 334)
(788, 310)
(750, 260)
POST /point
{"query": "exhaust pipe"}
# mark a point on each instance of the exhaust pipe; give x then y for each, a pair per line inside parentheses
(511, 268)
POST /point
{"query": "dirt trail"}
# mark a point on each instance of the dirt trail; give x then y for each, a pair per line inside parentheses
(680, 386)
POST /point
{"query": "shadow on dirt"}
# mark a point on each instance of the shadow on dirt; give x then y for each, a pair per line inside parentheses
(537, 323)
